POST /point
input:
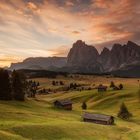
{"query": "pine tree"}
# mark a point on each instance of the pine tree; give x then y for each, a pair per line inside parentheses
(5, 87)
(112, 85)
(38, 84)
(121, 86)
(84, 106)
(61, 83)
(18, 85)
(71, 85)
(124, 113)
(34, 88)
(53, 83)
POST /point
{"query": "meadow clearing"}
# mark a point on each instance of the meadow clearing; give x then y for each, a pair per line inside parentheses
(37, 119)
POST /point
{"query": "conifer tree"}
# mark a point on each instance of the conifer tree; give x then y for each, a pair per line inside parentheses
(18, 85)
(5, 88)
(84, 106)
(124, 113)
(112, 85)
(121, 86)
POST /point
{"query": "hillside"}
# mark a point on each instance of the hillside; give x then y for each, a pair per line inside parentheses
(39, 120)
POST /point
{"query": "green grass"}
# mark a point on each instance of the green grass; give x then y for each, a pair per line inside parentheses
(37, 119)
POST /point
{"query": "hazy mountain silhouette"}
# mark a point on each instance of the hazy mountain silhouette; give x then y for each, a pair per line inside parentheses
(40, 63)
(83, 58)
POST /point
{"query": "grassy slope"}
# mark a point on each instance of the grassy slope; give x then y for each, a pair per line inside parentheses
(38, 120)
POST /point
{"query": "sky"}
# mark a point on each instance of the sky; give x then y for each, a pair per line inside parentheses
(42, 28)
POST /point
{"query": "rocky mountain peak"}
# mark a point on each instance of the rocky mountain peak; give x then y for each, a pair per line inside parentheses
(105, 50)
(83, 55)
(79, 43)
(116, 47)
(131, 44)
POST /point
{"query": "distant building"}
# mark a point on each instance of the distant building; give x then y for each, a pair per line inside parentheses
(98, 118)
(102, 88)
(63, 104)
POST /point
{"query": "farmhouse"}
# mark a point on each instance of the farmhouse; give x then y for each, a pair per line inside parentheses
(98, 118)
(64, 104)
(102, 88)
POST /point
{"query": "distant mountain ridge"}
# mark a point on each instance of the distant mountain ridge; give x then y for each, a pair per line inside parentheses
(83, 58)
(40, 63)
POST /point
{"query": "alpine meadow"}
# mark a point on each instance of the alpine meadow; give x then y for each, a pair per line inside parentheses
(69, 70)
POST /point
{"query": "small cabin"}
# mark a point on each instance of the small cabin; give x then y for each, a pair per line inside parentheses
(98, 118)
(102, 88)
(63, 104)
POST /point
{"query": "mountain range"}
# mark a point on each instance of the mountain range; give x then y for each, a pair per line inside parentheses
(83, 58)
(40, 63)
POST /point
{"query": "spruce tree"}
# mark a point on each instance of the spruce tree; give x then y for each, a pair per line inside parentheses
(124, 113)
(112, 85)
(53, 83)
(5, 88)
(18, 85)
(121, 86)
(84, 106)
(34, 89)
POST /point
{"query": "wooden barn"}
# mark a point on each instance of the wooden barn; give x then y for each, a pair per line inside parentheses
(102, 88)
(63, 104)
(98, 118)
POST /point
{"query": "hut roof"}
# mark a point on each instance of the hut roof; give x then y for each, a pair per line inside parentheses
(100, 117)
(64, 102)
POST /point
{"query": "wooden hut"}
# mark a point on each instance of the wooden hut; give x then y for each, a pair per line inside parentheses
(98, 118)
(102, 88)
(63, 104)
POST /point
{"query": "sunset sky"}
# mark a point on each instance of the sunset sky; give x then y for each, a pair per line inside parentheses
(32, 28)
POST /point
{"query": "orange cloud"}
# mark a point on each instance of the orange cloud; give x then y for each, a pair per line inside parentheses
(76, 32)
(69, 3)
(31, 28)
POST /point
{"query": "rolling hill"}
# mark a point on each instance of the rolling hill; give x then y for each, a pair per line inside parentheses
(37, 119)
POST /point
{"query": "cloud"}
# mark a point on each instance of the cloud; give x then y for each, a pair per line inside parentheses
(39, 27)
(61, 51)
(75, 32)
(69, 3)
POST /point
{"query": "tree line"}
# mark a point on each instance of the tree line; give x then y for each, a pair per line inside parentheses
(14, 86)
